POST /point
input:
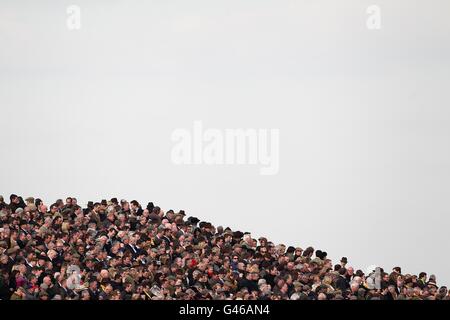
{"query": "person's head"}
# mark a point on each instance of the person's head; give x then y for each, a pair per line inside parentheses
(93, 285)
(47, 281)
(54, 208)
(108, 288)
(128, 287)
(48, 221)
(14, 199)
(60, 203)
(321, 296)
(104, 274)
(20, 292)
(96, 207)
(397, 270)
(85, 295)
(350, 271)
(134, 205)
(400, 281)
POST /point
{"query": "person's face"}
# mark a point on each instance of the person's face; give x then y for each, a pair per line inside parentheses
(23, 269)
(85, 295)
(44, 297)
(38, 272)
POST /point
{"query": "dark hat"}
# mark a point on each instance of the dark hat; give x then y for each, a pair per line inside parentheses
(193, 220)
(150, 206)
(238, 234)
(344, 259)
(208, 225)
(43, 256)
(397, 269)
(290, 249)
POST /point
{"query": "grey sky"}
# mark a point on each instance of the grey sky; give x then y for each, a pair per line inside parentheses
(363, 115)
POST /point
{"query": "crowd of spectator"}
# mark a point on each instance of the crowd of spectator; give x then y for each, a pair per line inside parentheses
(120, 250)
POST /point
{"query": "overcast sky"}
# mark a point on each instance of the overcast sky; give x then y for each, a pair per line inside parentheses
(363, 115)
